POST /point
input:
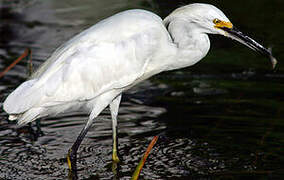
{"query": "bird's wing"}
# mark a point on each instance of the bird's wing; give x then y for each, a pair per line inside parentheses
(100, 68)
(99, 59)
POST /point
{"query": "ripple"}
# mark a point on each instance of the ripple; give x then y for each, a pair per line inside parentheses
(211, 123)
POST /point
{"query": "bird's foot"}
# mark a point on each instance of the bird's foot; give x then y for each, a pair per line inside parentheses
(71, 161)
(39, 132)
(115, 158)
(115, 163)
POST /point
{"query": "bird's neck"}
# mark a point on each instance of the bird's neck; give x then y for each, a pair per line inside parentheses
(187, 46)
(191, 44)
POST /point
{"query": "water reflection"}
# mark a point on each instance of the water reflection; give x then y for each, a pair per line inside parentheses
(222, 118)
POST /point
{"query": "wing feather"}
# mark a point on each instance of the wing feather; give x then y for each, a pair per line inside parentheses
(95, 61)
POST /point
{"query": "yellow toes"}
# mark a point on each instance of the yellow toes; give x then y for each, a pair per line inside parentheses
(69, 160)
(115, 157)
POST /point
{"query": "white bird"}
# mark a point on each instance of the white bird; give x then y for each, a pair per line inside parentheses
(94, 68)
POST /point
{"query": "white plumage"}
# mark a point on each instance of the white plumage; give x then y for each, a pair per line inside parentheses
(110, 56)
(93, 69)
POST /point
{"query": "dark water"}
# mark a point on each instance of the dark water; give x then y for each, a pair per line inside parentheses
(221, 119)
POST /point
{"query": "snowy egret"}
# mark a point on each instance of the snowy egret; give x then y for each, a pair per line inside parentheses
(94, 68)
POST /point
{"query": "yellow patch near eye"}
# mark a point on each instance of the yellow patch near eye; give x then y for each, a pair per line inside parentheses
(221, 24)
(216, 21)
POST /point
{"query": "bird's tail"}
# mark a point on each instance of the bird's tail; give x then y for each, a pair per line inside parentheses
(23, 98)
(27, 116)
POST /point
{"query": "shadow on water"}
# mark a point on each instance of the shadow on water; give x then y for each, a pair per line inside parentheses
(222, 118)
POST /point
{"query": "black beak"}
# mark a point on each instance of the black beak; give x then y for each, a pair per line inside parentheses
(242, 38)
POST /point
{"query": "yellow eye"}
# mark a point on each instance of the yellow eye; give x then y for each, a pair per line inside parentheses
(216, 21)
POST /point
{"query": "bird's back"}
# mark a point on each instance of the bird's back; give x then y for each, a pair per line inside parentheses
(114, 29)
(111, 54)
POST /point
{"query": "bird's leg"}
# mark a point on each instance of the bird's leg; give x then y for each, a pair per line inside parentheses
(38, 128)
(114, 105)
(72, 153)
(99, 104)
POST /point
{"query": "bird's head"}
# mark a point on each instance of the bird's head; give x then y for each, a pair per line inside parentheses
(206, 18)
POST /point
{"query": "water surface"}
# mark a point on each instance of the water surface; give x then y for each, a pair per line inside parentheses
(222, 118)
